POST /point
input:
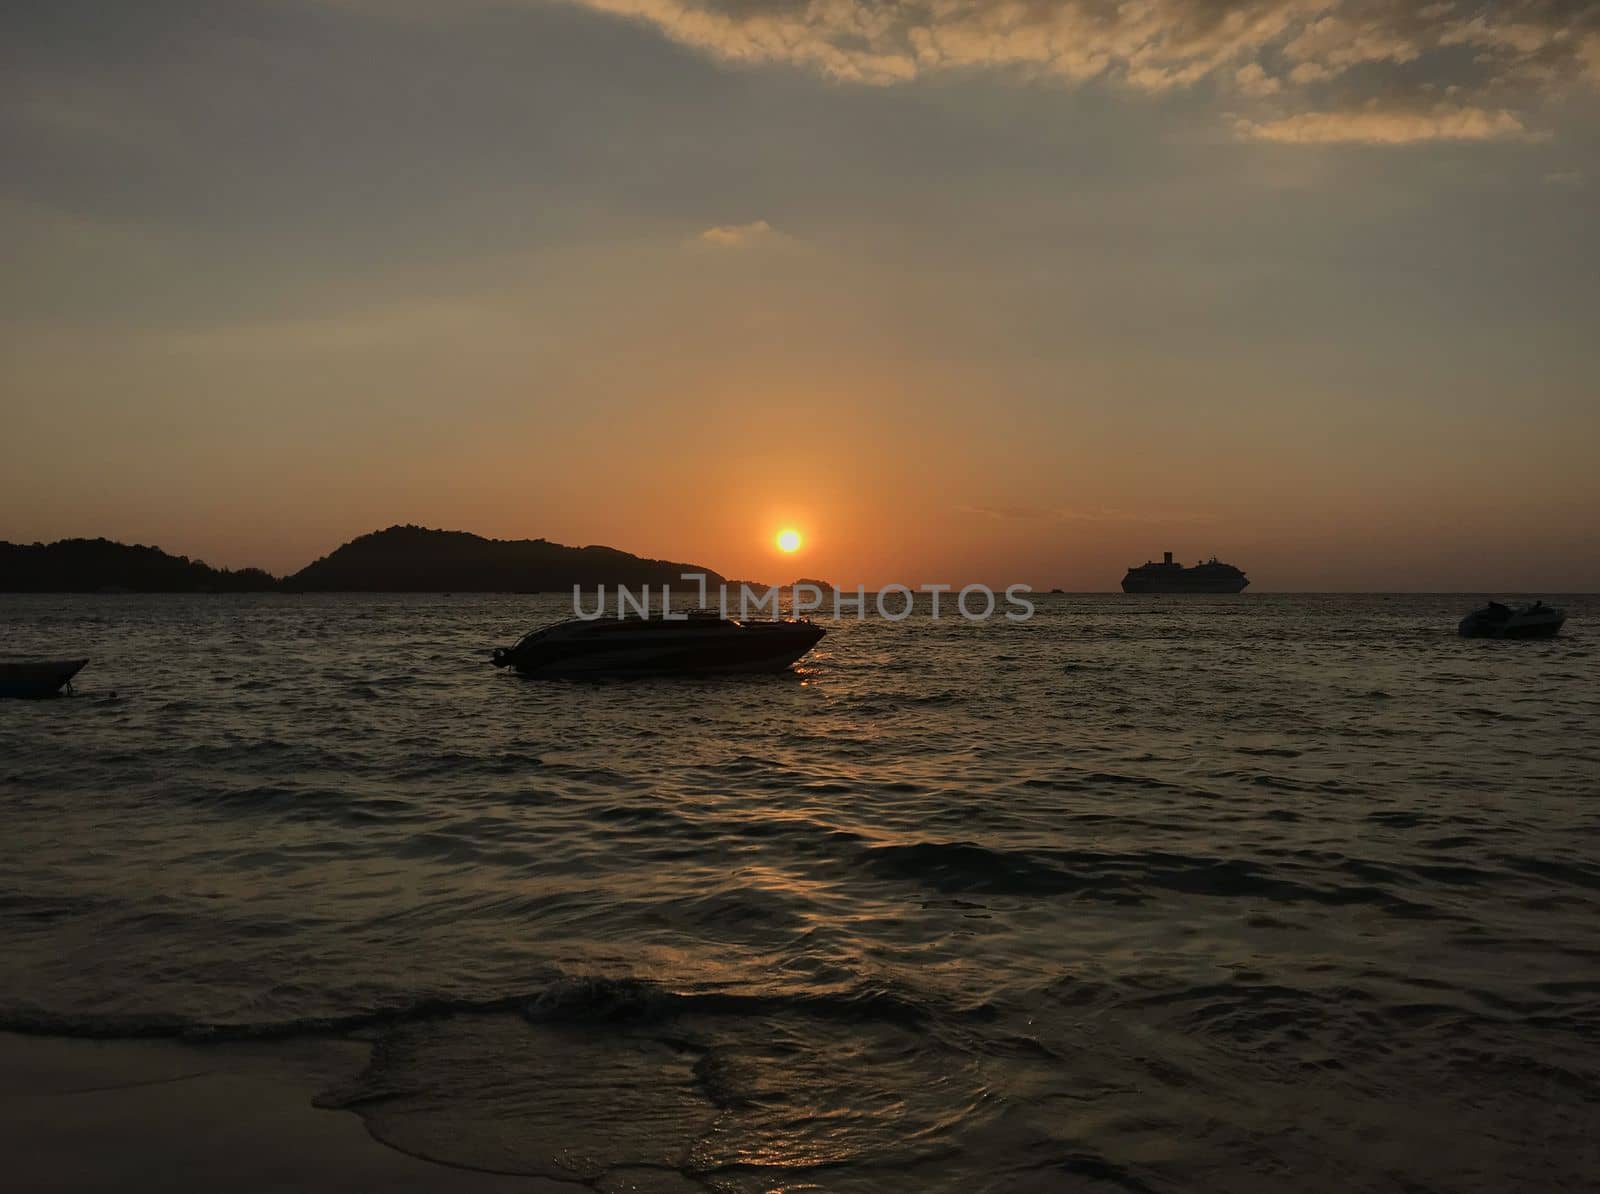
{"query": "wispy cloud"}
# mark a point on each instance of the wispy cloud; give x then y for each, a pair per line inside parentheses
(737, 236)
(1273, 51)
(1049, 514)
(1253, 81)
(1589, 55)
(1377, 126)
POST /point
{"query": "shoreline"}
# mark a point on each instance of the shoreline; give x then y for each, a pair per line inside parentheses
(137, 1115)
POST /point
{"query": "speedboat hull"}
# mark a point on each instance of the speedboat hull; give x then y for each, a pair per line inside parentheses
(35, 678)
(651, 647)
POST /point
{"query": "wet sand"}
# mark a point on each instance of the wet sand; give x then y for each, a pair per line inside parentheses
(158, 1115)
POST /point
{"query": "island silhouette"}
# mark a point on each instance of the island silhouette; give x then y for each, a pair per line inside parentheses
(401, 559)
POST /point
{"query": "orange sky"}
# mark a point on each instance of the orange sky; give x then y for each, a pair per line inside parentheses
(281, 275)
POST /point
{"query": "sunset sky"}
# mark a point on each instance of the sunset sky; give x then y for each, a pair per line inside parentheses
(1007, 292)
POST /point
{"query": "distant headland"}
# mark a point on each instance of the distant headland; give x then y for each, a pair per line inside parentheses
(401, 559)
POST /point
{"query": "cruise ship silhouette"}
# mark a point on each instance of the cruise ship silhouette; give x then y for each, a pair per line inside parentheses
(1210, 576)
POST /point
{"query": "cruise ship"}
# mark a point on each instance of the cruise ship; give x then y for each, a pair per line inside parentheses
(1167, 577)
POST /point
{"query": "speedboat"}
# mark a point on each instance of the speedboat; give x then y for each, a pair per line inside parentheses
(28, 677)
(1513, 621)
(695, 642)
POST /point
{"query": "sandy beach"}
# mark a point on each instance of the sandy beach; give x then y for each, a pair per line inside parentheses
(159, 1115)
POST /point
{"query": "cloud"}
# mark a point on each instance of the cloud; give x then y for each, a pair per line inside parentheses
(1481, 53)
(1083, 514)
(1309, 72)
(1589, 55)
(1009, 513)
(1254, 81)
(1156, 44)
(1378, 126)
(737, 236)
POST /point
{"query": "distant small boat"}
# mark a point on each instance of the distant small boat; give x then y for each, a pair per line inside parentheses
(701, 642)
(36, 677)
(1513, 621)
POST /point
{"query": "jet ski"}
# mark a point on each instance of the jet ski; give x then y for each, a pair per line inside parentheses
(694, 643)
(1513, 621)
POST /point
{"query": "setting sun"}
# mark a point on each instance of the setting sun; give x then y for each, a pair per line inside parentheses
(788, 540)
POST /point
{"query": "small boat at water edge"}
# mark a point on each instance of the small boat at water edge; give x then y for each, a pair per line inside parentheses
(1513, 621)
(701, 642)
(28, 677)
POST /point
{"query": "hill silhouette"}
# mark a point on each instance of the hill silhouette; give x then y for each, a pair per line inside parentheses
(408, 559)
(402, 559)
(97, 565)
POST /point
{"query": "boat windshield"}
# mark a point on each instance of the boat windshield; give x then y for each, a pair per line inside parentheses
(532, 636)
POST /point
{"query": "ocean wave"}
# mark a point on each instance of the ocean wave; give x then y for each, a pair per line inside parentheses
(1174, 894)
(564, 999)
(1129, 877)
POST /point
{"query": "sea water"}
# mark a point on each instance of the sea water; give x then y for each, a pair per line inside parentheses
(1145, 893)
